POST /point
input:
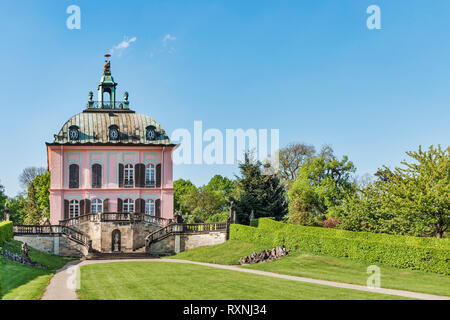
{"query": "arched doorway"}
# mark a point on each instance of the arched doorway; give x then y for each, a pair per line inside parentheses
(116, 241)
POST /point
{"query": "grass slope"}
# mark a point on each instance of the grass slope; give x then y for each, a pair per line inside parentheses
(178, 281)
(20, 282)
(225, 253)
(322, 267)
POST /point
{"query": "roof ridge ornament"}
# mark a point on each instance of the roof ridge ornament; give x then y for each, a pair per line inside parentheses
(106, 91)
(107, 66)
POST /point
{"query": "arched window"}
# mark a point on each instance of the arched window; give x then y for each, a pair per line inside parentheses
(106, 97)
(96, 206)
(150, 207)
(96, 176)
(74, 208)
(74, 176)
(150, 175)
(129, 176)
(128, 205)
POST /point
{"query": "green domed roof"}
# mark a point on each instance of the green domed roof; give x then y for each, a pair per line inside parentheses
(94, 127)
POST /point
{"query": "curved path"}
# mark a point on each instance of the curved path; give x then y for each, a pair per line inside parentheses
(64, 283)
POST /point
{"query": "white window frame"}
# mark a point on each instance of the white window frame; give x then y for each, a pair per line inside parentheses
(128, 206)
(150, 207)
(149, 174)
(128, 175)
(96, 206)
(74, 209)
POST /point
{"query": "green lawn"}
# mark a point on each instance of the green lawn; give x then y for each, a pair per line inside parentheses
(178, 281)
(322, 267)
(20, 282)
(225, 253)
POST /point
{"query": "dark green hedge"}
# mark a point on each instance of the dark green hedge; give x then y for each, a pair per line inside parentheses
(396, 251)
(270, 224)
(6, 231)
(254, 223)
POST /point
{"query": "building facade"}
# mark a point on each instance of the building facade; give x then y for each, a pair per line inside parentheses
(108, 159)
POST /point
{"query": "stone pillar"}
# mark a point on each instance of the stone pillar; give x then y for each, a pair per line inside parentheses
(177, 243)
(178, 228)
(56, 245)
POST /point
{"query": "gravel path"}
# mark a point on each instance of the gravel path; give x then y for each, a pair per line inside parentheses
(62, 285)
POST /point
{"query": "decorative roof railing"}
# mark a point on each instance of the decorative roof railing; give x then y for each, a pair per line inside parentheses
(117, 105)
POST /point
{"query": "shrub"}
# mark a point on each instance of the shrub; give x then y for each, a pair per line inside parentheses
(330, 223)
(254, 223)
(427, 254)
(6, 231)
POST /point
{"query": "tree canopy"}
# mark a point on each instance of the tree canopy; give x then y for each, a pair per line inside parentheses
(264, 195)
(206, 203)
(412, 199)
(321, 184)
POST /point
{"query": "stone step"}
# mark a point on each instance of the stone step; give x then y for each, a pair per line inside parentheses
(120, 255)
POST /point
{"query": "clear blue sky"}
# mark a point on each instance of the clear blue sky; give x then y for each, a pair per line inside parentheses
(309, 68)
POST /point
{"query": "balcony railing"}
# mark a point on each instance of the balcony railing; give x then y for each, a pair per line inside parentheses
(180, 228)
(74, 234)
(115, 217)
(108, 105)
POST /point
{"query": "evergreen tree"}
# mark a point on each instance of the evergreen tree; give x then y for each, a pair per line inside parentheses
(31, 207)
(257, 192)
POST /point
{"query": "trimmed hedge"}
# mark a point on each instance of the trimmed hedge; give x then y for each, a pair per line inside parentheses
(254, 223)
(396, 251)
(271, 224)
(6, 231)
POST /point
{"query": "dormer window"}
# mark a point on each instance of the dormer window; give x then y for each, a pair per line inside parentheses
(151, 133)
(113, 133)
(74, 133)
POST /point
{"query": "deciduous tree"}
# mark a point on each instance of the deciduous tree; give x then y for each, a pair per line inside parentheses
(412, 199)
(28, 175)
(322, 184)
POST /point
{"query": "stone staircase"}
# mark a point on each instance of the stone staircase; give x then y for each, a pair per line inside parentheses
(120, 255)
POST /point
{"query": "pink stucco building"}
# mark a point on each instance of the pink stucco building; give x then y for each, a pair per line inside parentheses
(110, 159)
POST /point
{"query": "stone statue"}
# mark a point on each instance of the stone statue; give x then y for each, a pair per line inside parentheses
(116, 242)
(6, 211)
(125, 96)
(44, 220)
(106, 67)
(25, 251)
(178, 218)
(231, 207)
(91, 95)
